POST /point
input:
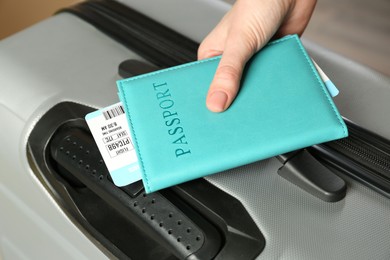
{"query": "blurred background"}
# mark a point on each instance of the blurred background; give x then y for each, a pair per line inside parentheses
(15, 15)
(358, 29)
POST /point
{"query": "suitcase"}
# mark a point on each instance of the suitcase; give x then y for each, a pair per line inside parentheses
(67, 66)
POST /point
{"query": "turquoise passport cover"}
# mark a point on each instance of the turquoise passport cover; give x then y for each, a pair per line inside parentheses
(282, 106)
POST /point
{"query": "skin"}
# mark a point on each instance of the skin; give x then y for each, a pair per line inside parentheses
(243, 31)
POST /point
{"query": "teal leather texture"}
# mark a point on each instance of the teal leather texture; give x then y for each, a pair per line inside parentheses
(282, 106)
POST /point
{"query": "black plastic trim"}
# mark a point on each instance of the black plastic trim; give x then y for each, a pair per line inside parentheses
(243, 239)
(308, 173)
(366, 158)
(74, 149)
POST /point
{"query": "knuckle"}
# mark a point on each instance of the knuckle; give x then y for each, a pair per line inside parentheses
(207, 53)
(228, 72)
(201, 52)
(202, 49)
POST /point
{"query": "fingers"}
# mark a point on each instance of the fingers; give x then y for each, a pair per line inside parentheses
(214, 44)
(237, 37)
(210, 47)
(243, 31)
(297, 19)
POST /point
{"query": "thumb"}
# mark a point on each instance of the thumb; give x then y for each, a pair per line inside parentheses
(226, 82)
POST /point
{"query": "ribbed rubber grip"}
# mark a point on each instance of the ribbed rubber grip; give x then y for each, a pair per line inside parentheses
(76, 153)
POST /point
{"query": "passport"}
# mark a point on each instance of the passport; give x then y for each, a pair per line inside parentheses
(282, 105)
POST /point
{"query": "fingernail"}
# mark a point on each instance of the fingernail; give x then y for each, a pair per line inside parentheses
(217, 101)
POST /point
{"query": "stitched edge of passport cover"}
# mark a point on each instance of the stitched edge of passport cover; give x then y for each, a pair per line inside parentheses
(286, 38)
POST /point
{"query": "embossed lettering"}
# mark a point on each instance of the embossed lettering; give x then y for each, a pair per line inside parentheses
(168, 114)
(180, 140)
(166, 104)
(156, 86)
(176, 130)
(172, 120)
(161, 95)
(180, 152)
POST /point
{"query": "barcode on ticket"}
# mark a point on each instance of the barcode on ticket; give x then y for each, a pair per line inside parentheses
(113, 112)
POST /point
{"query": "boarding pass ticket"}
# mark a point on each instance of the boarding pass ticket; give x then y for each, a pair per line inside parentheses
(111, 132)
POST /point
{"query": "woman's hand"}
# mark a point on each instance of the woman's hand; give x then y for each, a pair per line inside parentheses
(243, 31)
